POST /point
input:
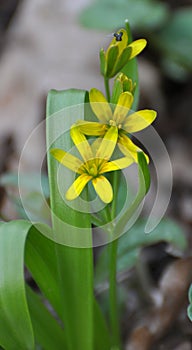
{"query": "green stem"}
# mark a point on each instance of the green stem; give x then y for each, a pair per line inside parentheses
(107, 89)
(113, 298)
(115, 190)
(114, 317)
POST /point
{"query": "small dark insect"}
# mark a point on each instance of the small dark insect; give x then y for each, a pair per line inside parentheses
(118, 36)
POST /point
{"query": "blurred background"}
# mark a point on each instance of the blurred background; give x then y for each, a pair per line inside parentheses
(47, 44)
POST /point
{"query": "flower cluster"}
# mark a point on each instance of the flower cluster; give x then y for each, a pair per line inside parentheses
(116, 122)
(120, 117)
(94, 163)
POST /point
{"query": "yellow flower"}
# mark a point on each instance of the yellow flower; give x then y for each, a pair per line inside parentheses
(121, 118)
(119, 53)
(95, 162)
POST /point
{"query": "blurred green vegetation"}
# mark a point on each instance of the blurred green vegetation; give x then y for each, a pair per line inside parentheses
(169, 32)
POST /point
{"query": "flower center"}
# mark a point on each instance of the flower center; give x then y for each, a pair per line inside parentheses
(93, 171)
(113, 123)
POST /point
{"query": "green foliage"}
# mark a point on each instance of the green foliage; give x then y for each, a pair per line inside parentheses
(16, 330)
(131, 243)
(35, 195)
(77, 312)
(169, 33)
(110, 14)
(41, 250)
(174, 42)
(25, 321)
(28, 182)
(47, 330)
(61, 311)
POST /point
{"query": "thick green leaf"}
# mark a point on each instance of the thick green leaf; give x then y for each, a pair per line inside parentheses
(75, 265)
(110, 14)
(167, 231)
(41, 260)
(48, 332)
(16, 329)
(189, 310)
(101, 331)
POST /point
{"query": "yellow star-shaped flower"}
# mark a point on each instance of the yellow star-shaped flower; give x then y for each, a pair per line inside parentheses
(120, 117)
(94, 163)
(119, 53)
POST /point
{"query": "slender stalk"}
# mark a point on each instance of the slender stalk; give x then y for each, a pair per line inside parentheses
(107, 89)
(114, 316)
(113, 305)
(113, 298)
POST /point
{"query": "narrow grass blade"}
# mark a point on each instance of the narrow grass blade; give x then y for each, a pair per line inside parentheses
(41, 261)
(48, 332)
(16, 330)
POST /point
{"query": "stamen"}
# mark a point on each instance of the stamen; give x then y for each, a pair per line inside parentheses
(112, 122)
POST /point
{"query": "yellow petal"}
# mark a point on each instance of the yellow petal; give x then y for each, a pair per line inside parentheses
(137, 46)
(81, 143)
(117, 164)
(139, 120)
(66, 159)
(128, 148)
(77, 187)
(95, 145)
(123, 106)
(103, 188)
(108, 143)
(124, 141)
(100, 106)
(91, 128)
